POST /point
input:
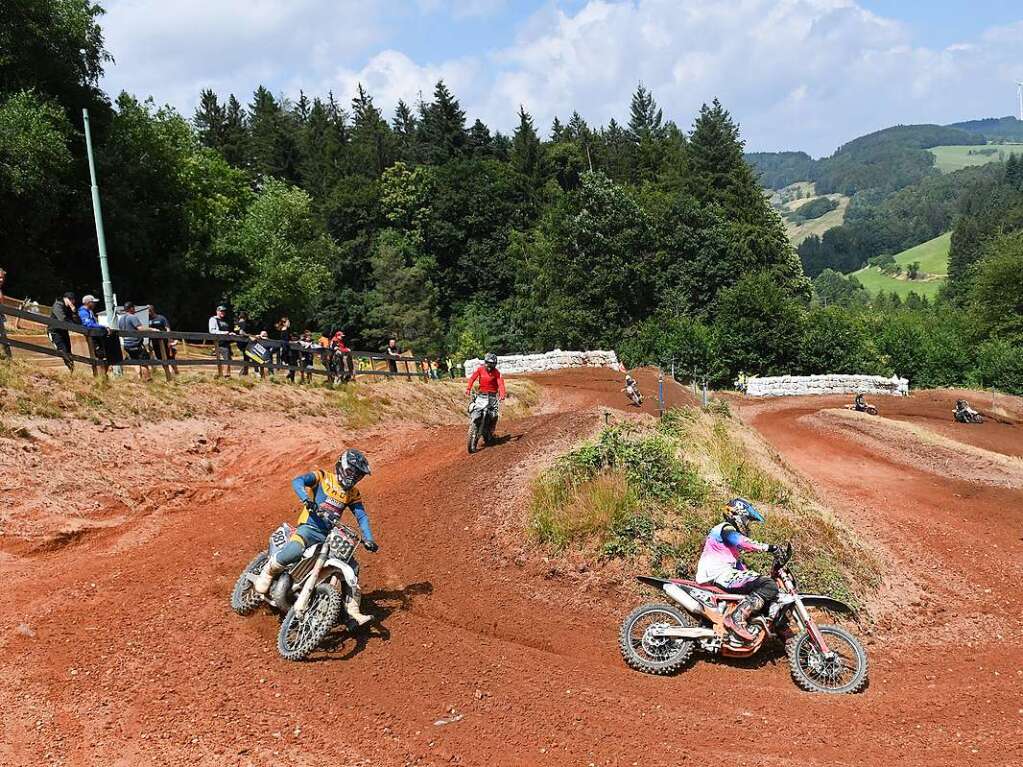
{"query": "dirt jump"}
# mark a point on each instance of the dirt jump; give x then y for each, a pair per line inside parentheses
(120, 648)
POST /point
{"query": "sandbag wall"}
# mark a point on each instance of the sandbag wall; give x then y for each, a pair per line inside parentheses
(791, 386)
(555, 360)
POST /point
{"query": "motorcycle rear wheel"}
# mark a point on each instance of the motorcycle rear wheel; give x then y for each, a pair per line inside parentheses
(299, 636)
(844, 674)
(244, 599)
(653, 655)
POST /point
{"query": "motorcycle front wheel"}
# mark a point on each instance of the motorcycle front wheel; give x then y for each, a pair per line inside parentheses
(842, 671)
(300, 635)
(650, 654)
(244, 599)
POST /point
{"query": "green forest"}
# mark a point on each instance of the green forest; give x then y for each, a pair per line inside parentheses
(423, 223)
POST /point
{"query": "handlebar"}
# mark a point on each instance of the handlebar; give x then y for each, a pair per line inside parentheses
(782, 555)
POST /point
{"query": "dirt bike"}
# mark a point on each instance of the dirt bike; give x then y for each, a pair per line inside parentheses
(966, 414)
(660, 638)
(339, 366)
(310, 593)
(868, 409)
(483, 415)
(632, 390)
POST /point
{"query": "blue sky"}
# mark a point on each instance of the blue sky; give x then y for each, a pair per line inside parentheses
(797, 74)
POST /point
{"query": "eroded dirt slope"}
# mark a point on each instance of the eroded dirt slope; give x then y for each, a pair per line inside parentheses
(121, 649)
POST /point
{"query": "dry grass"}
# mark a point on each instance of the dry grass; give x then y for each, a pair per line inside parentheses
(619, 512)
(27, 392)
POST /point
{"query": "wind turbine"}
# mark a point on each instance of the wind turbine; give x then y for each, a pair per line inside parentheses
(1019, 92)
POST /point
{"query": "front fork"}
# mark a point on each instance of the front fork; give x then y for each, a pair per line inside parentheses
(303, 598)
(806, 619)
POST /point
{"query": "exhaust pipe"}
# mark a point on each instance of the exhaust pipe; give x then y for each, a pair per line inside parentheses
(681, 596)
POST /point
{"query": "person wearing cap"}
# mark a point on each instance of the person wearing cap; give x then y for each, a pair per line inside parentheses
(133, 346)
(346, 369)
(220, 326)
(63, 310)
(87, 315)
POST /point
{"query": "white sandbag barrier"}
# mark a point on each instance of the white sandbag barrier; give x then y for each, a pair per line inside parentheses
(555, 360)
(791, 386)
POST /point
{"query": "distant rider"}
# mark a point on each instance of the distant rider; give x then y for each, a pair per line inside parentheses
(721, 564)
(491, 384)
(325, 496)
(860, 404)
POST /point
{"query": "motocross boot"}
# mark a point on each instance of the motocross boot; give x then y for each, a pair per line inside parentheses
(261, 583)
(352, 607)
(737, 621)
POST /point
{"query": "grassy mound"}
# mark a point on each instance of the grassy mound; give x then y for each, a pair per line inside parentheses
(651, 493)
(29, 392)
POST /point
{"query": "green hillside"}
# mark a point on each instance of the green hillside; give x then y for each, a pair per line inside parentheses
(933, 258)
(952, 158)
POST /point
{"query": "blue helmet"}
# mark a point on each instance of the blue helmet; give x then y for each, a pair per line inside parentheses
(739, 513)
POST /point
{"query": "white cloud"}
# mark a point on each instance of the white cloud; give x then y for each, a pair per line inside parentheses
(806, 74)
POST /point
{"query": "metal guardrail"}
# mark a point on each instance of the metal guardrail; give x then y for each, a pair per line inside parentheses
(413, 366)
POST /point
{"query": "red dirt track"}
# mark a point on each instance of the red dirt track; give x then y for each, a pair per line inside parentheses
(123, 650)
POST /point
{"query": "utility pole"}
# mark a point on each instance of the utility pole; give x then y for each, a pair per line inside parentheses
(108, 289)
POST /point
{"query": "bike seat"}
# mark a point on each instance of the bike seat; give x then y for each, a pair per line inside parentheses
(705, 586)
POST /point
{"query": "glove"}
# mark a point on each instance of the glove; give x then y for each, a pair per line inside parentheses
(772, 549)
(371, 546)
(310, 506)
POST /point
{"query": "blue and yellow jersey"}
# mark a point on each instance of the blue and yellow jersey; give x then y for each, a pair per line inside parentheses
(323, 487)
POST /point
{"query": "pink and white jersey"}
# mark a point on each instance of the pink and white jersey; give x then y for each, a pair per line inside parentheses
(721, 552)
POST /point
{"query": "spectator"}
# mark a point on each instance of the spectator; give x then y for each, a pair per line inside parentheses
(393, 352)
(130, 322)
(220, 326)
(63, 310)
(342, 355)
(324, 342)
(244, 327)
(3, 318)
(282, 333)
(163, 348)
(87, 316)
(308, 349)
(259, 352)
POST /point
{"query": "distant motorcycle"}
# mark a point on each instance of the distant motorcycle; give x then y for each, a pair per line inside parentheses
(861, 406)
(966, 414)
(660, 638)
(310, 593)
(632, 391)
(484, 411)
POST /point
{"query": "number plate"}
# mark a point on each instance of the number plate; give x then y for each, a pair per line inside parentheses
(279, 538)
(342, 544)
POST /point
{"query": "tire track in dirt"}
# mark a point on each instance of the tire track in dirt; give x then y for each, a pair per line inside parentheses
(137, 658)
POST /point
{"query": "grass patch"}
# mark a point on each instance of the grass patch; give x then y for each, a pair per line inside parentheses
(651, 494)
(933, 259)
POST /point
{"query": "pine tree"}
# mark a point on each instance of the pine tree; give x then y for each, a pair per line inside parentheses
(525, 152)
(236, 138)
(210, 120)
(719, 173)
(442, 125)
(558, 133)
(479, 141)
(1014, 171)
(371, 137)
(644, 117)
(302, 108)
(404, 126)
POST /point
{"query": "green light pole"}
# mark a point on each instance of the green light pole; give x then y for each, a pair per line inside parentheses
(108, 288)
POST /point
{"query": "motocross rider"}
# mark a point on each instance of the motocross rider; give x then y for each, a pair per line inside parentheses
(325, 496)
(721, 564)
(491, 382)
(860, 403)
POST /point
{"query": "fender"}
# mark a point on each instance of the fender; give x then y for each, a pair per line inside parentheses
(828, 603)
(649, 580)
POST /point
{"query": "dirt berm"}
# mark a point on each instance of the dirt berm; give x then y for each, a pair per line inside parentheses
(120, 648)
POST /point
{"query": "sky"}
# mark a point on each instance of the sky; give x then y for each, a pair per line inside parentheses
(795, 74)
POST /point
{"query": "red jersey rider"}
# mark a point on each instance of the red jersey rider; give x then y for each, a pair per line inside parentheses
(489, 377)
